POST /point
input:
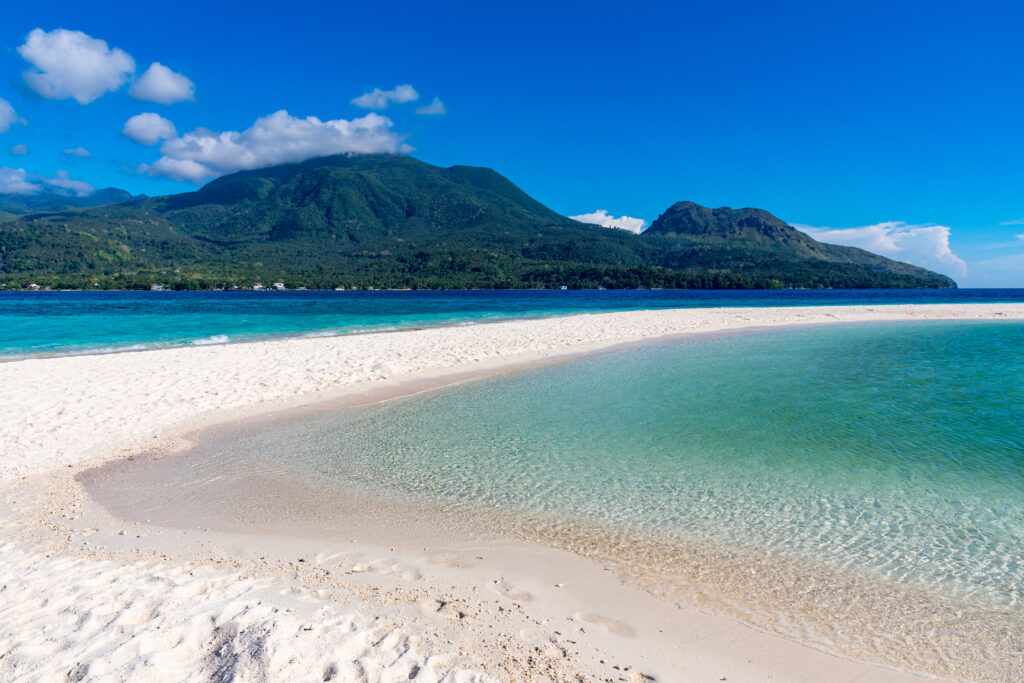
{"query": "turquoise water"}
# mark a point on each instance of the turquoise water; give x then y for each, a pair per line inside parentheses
(859, 488)
(46, 323)
(896, 449)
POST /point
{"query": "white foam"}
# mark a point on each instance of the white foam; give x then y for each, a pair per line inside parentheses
(215, 339)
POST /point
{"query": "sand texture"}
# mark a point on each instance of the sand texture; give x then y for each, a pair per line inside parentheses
(86, 596)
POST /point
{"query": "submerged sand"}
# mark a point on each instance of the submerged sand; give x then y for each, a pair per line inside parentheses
(87, 595)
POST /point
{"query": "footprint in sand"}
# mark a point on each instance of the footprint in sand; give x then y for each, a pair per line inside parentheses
(452, 561)
(393, 569)
(616, 628)
(412, 574)
(506, 590)
(403, 572)
(138, 613)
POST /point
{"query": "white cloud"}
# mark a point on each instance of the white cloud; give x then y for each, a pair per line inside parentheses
(435, 107)
(80, 152)
(8, 117)
(15, 181)
(379, 99)
(19, 150)
(1017, 221)
(77, 188)
(601, 217)
(149, 128)
(18, 181)
(160, 84)
(1020, 236)
(276, 139)
(922, 245)
(70, 64)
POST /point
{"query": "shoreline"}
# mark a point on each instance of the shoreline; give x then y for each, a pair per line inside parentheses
(51, 455)
(225, 382)
(214, 336)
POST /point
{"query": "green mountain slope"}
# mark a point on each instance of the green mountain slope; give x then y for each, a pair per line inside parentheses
(56, 201)
(394, 221)
(755, 242)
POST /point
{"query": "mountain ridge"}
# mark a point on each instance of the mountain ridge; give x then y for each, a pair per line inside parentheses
(58, 201)
(395, 221)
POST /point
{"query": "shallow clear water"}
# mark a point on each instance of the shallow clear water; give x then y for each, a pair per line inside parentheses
(897, 449)
(33, 323)
(859, 488)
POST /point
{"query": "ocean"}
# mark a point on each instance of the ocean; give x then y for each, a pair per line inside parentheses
(55, 323)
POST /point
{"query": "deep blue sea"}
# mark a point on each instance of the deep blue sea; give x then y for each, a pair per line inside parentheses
(48, 323)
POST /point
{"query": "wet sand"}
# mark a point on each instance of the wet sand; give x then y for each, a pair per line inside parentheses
(83, 599)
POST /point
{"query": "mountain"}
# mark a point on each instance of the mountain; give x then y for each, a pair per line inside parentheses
(13, 204)
(756, 242)
(394, 221)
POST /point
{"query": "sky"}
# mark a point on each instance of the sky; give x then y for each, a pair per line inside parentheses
(897, 127)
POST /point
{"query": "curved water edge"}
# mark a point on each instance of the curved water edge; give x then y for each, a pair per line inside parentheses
(857, 488)
(72, 323)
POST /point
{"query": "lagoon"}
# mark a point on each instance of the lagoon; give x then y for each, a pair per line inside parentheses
(858, 488)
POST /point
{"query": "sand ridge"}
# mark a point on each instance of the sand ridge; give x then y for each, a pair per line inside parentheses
(59, 411)
(79, 607)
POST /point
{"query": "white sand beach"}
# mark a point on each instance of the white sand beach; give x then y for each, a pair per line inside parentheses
(87, 596)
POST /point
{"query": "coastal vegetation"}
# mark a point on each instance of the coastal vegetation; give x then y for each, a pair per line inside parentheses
(391, 221)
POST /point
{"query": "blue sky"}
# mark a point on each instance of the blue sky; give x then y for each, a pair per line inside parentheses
(895, 126)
